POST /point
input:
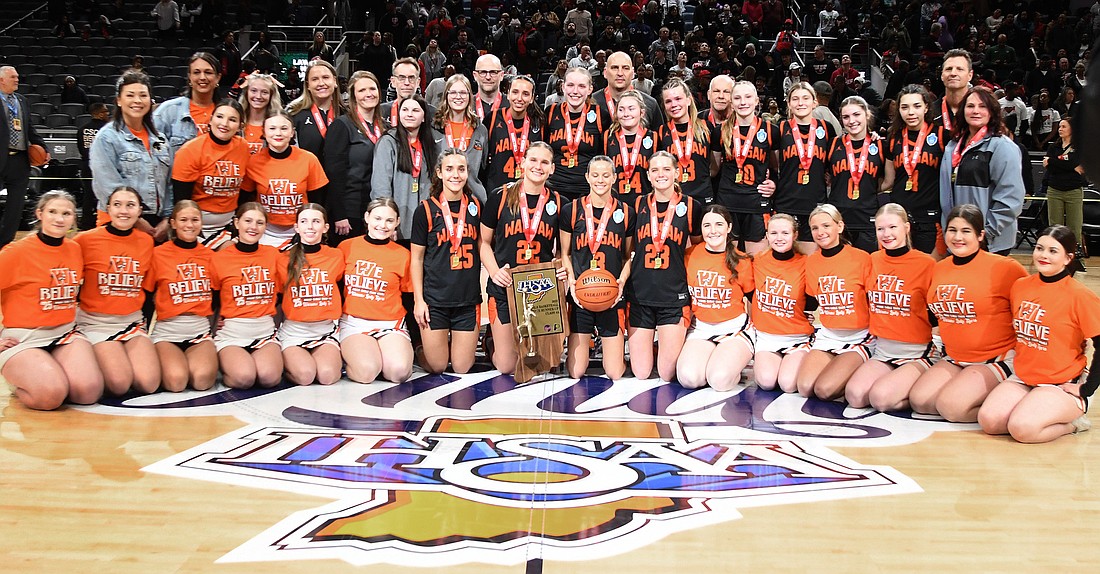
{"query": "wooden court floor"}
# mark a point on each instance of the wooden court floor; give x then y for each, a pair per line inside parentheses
(74, 498)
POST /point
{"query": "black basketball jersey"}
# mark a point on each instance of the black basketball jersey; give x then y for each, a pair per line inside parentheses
(739, 183)
(658, 276)
(510, 245)
(857, 203)
(569, 167)
(673, 139)
(502, 165)
(451, 277)
(799, 190)
(919, 194)
(620, 225)
(629, 187)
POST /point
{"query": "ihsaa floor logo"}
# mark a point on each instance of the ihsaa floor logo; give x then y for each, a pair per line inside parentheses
(449, 470)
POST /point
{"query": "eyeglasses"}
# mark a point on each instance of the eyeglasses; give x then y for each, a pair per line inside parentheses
(407, 79)
(456, 94)
(487, 72)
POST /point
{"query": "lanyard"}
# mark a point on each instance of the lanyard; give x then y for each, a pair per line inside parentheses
(683, 151)
(373, 131)
(480, 108)
(323, 120)
(959, 151)
(464, 137)
(612, 105)
(519, 145)
(417, 153)
(945, 114)
(573, 143)
(911, 156)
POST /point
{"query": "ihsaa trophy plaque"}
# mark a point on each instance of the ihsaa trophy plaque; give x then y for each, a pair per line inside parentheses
(536, 303)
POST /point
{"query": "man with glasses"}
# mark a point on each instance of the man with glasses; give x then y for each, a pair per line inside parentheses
(488, 74)
(405, 81)
(619, 73)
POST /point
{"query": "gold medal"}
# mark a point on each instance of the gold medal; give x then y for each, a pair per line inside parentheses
(684, 178)
(415, 187)
(626, 187)
(657, 262)
(519, 172)
(593, 265)
(805, 179)
(855, 193)
(527, 254)
(456, 261)
(572, 161)
(737, 178)
(909, 185)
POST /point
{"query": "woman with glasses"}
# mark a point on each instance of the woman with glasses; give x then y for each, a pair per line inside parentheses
(259, 98)
(349, 156)
(456, 126)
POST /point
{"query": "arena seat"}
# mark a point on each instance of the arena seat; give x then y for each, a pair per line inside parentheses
(72, 109)
(59, 121)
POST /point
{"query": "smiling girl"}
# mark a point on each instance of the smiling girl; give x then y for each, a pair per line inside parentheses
(1054, 316)
(720, 278)
(446, 268)
(373, 337)
(116, 261)
(210, 169)
(629, 144)
(349, 156)
(259, 99)
(574, 130)
(915, 148)
(456, 126)
(859, 173)
(803, 144)
(511, 131)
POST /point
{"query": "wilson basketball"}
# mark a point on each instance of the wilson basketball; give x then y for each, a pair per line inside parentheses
(597, 290)
(37, 155)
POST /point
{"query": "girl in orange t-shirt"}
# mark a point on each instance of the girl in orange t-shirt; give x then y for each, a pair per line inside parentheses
(311, 302)
(838, 275)
(284, 178)
(783, 332)
(897, 296)
(180, 280)
(373, 338)
(249, 279)
(718, 345)
(969, 294)
(210, 169)
(1053, 316)
(42, 355)
(116, 261)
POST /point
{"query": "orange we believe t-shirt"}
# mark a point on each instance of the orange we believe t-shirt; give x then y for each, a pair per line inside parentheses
(248, 282)
(840, 284)
(1052, 321)
(374, 278)
(114, 268)
(715, 297)
(181, 280)
(282, 184)
(314, 296)
(971, 302)
(898, 296)
(39, 283)
(217, 170)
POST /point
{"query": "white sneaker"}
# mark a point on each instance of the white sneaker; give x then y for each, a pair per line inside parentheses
(1081, 424)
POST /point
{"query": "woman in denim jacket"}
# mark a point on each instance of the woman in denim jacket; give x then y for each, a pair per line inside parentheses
(181, 119)
(129, 151)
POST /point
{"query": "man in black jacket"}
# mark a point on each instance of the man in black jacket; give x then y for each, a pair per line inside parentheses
(17, 134)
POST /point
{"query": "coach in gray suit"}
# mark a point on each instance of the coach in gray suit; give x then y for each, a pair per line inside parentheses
(16, 135)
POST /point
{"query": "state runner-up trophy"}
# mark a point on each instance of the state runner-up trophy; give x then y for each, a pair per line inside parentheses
(536, 301)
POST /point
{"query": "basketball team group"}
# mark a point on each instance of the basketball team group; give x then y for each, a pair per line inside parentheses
(216, 256)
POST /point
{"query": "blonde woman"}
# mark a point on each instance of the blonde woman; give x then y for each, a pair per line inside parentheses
(259, 98)
(320, 104)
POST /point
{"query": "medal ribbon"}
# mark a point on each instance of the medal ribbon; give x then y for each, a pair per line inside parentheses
(666, 225)
(531, 225)
(454, 233)
(322, 125)
(417, 153)
(741, 148)
(959, 151)
(464, 137)
(519, 145)
(683, 151)
(857, 172)
(373, 130)
(945, 114)
(595, 236)
(805, 151)
(631, 161)
(910, 161)
(571, 142)
(612, 106)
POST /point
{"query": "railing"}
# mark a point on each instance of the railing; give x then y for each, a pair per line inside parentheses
(20, 20)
